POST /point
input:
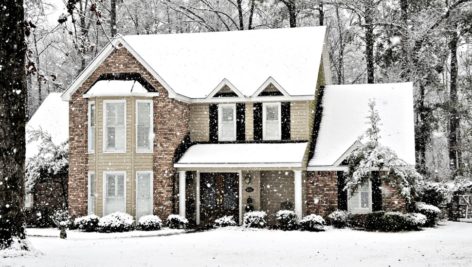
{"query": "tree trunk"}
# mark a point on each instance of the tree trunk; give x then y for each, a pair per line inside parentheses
(12, 120)
(251, 15)
(113, 18)
(240, 14)
(38, 67)
(340, 60)
(292, 12)
(369, 42)
(321, 11)
(422, 130)
(405, 74)
(454, 117)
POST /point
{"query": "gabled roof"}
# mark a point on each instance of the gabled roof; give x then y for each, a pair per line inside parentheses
(190, 65)
(261, 155)
(345, 108)
(118, 88)
(52, 116)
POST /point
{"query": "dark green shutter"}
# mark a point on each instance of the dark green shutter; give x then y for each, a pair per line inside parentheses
(376, 191)
(240, 122)
(342, 194)
(257, 110)
(285, 113)
(213, 123)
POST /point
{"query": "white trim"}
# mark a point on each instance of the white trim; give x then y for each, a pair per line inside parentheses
(298, 196)
(89, 207)
(221, 85)
(327, 168)
(197, 196)
(348, 152)
(258, 99)
(264, 107)
(90, 149)
(104, 126)
(267, 82)
(151, 127)
(150, 94)
(240, 186)
(105, 188)
(150, 188)
(182, 182)
(220, 119)
(277, 165)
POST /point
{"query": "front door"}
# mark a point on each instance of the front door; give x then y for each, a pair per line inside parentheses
(219, 196)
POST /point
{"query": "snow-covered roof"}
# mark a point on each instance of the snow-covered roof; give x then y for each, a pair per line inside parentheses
(192, 65)
(52, 116)
(117, 88)
(243, 155)
(344, 120)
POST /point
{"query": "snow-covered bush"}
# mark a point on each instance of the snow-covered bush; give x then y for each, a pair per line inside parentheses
(255, 219)
(312, 222)
(338, 218)
(433, 193)
(416, 220)
(116, 222)
(430, 211)
(286, 220)
(175, 221)
(387, 221)
(87, 223)
(225, 221)
(61, 219)
(371, 155)
(150, 223)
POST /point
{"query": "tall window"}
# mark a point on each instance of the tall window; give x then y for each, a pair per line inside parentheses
(114, 192)
(361, 200)
(271, 124)
(143, 193)
(227, 122)
(91, 127)
(115, 126)
(144, 133)
(91, 193)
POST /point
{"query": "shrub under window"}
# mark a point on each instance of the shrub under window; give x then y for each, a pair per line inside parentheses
(431, 212)
(338, 218)
(225, 221)
(312, 222)
(87, 223)
(177, 222)
(116, 222)
(286, 220)
(149, 223)
(255, 219)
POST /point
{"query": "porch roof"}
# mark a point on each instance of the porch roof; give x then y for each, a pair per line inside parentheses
(260, 155)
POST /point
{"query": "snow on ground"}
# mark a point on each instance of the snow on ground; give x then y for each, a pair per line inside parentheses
(447, 245)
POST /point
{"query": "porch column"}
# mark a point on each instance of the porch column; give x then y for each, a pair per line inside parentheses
(182, 193)
(298, 194)
(197, 196)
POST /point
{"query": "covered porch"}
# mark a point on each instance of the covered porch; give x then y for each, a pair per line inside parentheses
(230, 179)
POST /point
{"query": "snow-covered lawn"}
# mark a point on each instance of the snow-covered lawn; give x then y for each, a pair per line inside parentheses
(447, 245)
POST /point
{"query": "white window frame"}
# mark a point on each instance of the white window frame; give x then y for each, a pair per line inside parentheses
(105, 188)
(91, 209)
(150, 188)
(220, 118)
(361, 210)
(151, 127)
(264, 131)
(105, 102)
(91, 148)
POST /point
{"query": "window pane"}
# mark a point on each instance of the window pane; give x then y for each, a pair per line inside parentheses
(120, 181)
(143, 185)
(92, 185)
(272, 113)
(111, 114)
(144, 111)
(120, 138)
(228, 114)
(111, 186)
(365, 200)
(111, 137)
(143, 137)
(92, 115)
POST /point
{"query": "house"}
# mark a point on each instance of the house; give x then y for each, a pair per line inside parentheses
(212, 124)
(52, 118)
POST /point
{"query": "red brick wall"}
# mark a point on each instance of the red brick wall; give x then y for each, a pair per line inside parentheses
(323, 185)
(392, 200)
(171, 126)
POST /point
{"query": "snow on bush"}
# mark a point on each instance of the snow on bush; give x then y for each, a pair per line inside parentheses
(434, 193)
(87, 223)
(371, 155)
(416, 219)
(312, 222)
(431, 212)
(116, 222)
(286, 220)
(338, 218)
(225, 221)
(61, 219)
(387, 221)
(150, 223)
(255, 219)
(175, 221)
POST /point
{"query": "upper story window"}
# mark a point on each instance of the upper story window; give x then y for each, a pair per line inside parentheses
(144, 125)
(227, 122)
(114, 126)
(271, 122)
(91, 127)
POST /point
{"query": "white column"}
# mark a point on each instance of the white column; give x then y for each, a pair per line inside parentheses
(197, 196)
(182, 193)
(298, 194)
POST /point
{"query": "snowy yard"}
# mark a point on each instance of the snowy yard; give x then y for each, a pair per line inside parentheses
(447, 245)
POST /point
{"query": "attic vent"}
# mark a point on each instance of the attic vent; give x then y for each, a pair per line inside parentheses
(225, 92)
(271, 90)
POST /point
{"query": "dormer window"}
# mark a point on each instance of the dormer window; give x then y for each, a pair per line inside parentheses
(227, 122)
(271, 123)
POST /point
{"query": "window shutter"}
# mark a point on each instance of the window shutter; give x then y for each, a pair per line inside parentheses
(257, 110)
(285, 106)
(240, 122)
(376, 192)
(213, 116)
(342, 194)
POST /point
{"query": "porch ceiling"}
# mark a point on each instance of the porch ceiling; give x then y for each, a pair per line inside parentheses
(244, 156)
